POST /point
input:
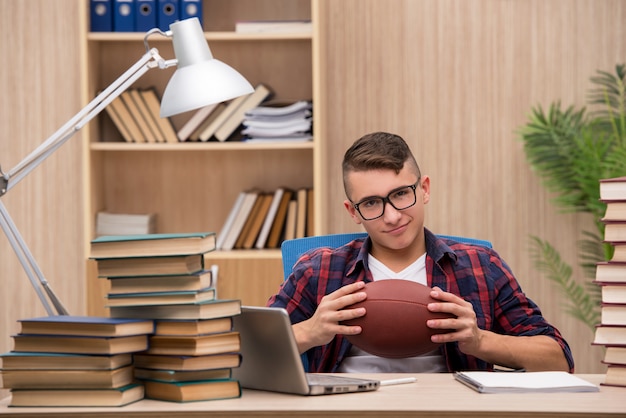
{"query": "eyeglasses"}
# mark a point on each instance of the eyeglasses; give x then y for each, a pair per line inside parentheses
(374, 207)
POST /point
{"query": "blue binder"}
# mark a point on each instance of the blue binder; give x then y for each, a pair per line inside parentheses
(101, 15)
(168, 13)
(145, 15)
(124, 15)
(191, 8)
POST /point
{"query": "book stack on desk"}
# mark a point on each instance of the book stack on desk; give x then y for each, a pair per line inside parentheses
(75, 361)
(162, 277)
(611, 277)
(191, 360)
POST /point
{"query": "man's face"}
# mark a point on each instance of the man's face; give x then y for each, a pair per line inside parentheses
(395, 229)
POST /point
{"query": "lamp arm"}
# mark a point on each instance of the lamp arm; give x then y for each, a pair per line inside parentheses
(8, 180)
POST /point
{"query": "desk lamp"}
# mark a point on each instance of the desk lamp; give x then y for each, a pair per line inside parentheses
(199, 80)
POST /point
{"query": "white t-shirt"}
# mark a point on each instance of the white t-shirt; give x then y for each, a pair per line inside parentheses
(358, 361)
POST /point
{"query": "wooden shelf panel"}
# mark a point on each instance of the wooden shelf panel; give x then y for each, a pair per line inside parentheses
(202, 146)
(210, 36)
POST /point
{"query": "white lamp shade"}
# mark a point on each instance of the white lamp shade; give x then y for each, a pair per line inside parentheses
(200, 79)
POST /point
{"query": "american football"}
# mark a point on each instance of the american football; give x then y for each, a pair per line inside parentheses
(394, 325)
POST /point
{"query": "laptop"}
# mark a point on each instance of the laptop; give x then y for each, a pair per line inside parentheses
(271, 362)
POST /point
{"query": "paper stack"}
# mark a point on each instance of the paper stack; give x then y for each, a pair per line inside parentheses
(292, 122)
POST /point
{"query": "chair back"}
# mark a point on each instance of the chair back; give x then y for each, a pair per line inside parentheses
(292, 249)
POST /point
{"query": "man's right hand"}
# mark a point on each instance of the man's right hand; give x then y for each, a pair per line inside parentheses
(322, 327)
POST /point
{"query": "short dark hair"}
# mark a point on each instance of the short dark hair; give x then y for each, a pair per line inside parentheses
(378, 151)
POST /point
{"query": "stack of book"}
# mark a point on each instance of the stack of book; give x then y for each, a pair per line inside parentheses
(162, 277)
(264, 220)
(75, 361)
(108, 223)
(611, 277)
(292, 122)
(222, 121)
(136, 115)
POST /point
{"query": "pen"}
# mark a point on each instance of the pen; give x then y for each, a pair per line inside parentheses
(397, 381)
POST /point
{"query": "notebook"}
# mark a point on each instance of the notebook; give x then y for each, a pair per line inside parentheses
(271, 362)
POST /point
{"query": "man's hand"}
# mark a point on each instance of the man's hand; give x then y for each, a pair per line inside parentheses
(464, 327)
(322, 327)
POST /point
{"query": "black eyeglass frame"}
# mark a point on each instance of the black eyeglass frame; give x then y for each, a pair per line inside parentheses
(386, 199)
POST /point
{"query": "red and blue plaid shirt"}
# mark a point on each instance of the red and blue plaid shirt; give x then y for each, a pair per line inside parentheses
(475, 273)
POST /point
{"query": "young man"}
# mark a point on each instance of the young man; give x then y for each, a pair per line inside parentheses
(494, 324)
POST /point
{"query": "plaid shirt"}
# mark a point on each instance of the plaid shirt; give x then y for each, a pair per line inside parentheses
(475, 273)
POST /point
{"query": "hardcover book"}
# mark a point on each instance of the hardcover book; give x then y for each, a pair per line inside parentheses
(203, 390)
(67, 379)
(199, 345)
(17, 360)
(195, 281)
(79, 344)
(182, 376)
(193, 326)
(187, 363)
(150, 266)
(85, 326)
(218, 308)
(152, 245)
(77, 397)
(160, 298)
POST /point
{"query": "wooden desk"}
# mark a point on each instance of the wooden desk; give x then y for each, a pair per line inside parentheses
(436, 395)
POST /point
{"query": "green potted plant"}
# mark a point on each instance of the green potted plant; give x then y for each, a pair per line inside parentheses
(571, 150)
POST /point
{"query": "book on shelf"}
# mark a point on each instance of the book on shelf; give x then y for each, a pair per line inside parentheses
(195, 345)
(127, 125)
(613, 313)
(187, 363)
(140, 123)
(77, 397)
(152, 131)
(193, 326)
(230, 125)
(274, 26)
(224, 114)
(615, 231)
(195, 135)
(613, 188)
(182, 375)
(541, 382)
(265, 200)
(610, 335)
(301, 216)
(79, 344)
(67, 379)
(153, 103)
(230, 219)
(18, 360)
(612, 292)
(108, 223)
(278, 226)
(239, 220)
(112, 110)
(150, 266)
(615, 354)
(247, 225)
(615, 375)
(160, 298)
(291, 220)
(615, 210)
(217, 308)
(152, 245)
(86, 326)
(610, 271)
(195, 281)
(269, 218)
(619, 252)
(201, 390)
(194, 122)
(310, 219)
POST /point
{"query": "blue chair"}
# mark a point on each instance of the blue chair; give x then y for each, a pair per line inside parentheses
(292, 249)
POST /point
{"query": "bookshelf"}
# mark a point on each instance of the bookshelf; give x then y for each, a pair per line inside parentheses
(192, 186)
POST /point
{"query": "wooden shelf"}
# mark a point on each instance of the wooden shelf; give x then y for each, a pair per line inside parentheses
(202, 146)
(210, 36)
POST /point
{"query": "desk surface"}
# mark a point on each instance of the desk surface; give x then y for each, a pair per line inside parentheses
(432, 395)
